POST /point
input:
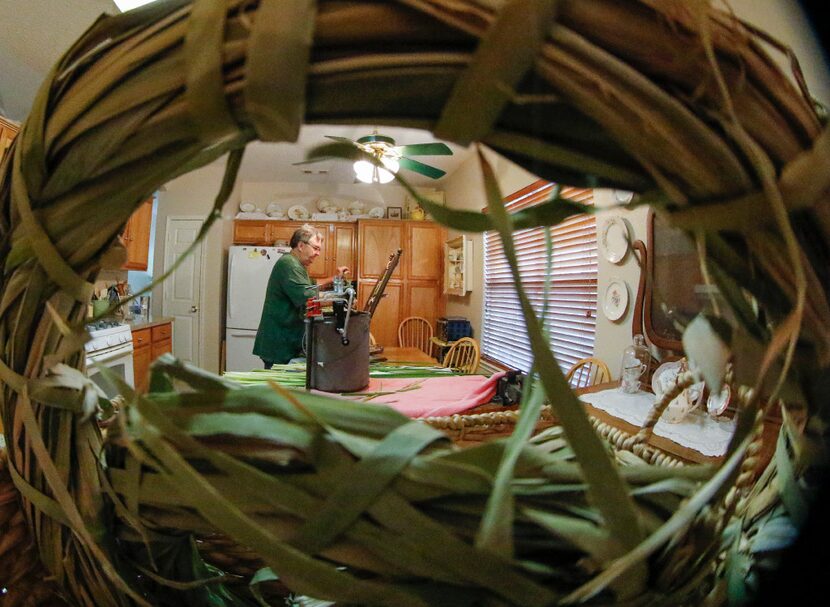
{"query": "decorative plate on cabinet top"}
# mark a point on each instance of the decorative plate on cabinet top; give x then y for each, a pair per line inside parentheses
(298, 213)
(616, 300)
(615, 239)
(376, 213)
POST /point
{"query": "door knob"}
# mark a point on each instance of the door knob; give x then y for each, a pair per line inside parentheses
(194, 309)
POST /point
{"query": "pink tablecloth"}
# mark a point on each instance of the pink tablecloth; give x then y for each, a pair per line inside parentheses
(432, 396)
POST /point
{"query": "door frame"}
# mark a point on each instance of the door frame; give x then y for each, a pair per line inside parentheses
(202, 269)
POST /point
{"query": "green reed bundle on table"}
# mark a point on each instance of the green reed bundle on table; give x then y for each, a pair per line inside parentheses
(676, 101)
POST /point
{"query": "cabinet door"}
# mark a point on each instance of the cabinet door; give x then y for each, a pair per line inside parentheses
(321, 268)
(137, 237)
(162, 332)
(424, 298)
(141, 367)
(387, 315)
(161, 347)
(342, 247)
(246, 231)
(377, 240)
(424, 256)
(280, 232)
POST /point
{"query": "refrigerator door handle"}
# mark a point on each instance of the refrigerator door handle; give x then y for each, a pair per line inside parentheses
(230, 273)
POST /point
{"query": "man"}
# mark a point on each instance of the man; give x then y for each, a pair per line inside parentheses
(281, 328)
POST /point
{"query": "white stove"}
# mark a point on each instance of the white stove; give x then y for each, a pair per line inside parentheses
(111, 346)
(107, 337)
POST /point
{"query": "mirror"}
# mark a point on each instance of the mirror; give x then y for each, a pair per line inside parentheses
(675, 290)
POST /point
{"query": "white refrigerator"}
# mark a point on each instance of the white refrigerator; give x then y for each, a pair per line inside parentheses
(249, 268)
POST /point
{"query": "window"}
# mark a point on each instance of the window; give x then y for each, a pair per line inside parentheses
(572, 305)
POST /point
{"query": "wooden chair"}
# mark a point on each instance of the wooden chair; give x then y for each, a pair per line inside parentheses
(415, 332)
(463, 356)
(588, 372)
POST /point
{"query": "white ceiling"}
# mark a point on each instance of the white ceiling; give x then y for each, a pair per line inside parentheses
(35, 33)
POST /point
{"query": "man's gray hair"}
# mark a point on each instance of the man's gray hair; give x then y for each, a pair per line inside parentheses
(303, 234)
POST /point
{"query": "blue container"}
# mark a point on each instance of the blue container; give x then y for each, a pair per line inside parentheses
(452, 328)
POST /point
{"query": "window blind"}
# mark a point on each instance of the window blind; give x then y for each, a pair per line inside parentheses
(570, 320)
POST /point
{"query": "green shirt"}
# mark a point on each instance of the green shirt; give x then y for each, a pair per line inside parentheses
(281, 327)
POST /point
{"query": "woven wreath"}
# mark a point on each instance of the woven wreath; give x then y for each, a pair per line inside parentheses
(676, 101)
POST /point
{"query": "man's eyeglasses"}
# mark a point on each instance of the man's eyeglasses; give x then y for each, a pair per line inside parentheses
(313, 246)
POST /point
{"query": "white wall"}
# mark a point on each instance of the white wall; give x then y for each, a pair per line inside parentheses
(287, 194)
(613, 336)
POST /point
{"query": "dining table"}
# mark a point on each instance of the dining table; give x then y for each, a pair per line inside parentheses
(698, 438)
(408, 355)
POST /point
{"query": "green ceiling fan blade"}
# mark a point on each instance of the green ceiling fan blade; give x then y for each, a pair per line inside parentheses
(420, 167)
(424, 149)
(342, 139)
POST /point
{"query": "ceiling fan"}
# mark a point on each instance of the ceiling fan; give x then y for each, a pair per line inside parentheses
(390, 157)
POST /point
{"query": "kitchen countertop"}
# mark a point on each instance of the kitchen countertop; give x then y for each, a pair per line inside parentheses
(142, 323)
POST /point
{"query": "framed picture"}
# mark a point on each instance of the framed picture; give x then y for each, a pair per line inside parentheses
(394, 213)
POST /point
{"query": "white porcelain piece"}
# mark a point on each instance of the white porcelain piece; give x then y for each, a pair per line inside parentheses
(298, 213)
(615, 302)
(615, 239)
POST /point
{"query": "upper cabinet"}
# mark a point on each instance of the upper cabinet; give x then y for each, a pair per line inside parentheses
(8, 131)
(424, 248)
(338, 247)
(377, 240)
(136, 237)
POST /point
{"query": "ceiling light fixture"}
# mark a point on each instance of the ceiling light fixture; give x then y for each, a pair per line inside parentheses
(368, 172)
(126, 5)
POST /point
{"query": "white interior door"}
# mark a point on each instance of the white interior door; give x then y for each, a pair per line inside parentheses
(182, 292)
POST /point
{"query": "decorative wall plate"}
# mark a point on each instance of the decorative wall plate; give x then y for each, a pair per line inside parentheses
(298, 213)
(615, 302)
(615, 239)
(377, 213)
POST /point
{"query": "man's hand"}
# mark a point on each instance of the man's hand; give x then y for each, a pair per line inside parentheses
(343, 270)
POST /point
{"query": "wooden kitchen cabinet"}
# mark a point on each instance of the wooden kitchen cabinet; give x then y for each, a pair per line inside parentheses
(162, 339)
(388, 313)
(377, 240)
(416, 285)
(136, 237)
(142, 356)
(8, 131)
(148, 344)
(338, 247)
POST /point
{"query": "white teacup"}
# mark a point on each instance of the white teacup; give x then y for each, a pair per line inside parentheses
(630, 380)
